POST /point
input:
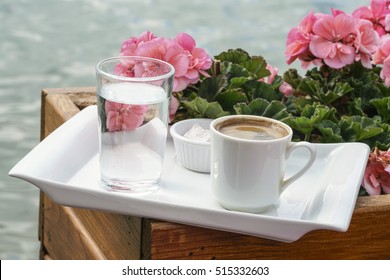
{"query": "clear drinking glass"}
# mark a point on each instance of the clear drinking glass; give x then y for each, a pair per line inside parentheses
(133, 99)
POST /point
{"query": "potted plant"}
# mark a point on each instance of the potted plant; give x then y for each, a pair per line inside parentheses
(345, 97)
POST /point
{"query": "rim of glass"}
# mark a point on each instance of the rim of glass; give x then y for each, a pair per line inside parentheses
(135, 79)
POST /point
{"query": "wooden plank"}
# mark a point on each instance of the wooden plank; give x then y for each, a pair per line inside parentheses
(51, 108)
(65, 236)
(60, 224)
(89, 234)
(57, 109)
(372, 203)
(366, 238)
(118, 236)
(80, 96)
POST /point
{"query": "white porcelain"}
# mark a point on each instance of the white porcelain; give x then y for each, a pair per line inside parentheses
(248, 175)
(66, 167)
(191, 154)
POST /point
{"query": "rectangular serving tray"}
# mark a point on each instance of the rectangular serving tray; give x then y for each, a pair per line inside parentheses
(65, 166)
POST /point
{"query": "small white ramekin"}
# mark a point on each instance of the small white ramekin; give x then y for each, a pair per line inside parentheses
(191, 154)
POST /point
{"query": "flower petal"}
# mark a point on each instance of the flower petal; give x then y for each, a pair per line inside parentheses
(344, 25)
(320, 47)
(324, 27)
(186, 41)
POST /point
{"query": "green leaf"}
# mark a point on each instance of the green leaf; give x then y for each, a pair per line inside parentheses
(276, 110)
(310, 87)
(211, 86)
(330, 132)
(317, 90)
(238, 82)
(318, 112)
(363, 192)
(231, 70)
(355, 107)
(383, 107)
(229, 98)
(349, 129)
(382, 141)
(258, 106)
(196, 107)
(214, 110)
(369, 128)
(311, 116)
(300, 102)
(256, 65)
(337, 92)
(292, 77)
(358, 129)
(238, 63)
(261, 107)
(235, 56)
(242, 109)
(303, 125)
(200, 108)
(265, 91)
(385, 90)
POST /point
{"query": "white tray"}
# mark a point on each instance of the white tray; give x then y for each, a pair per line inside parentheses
(65, 166)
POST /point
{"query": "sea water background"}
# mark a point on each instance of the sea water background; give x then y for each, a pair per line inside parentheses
(56, 43)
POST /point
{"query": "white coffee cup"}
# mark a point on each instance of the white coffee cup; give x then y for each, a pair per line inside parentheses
(248, 159)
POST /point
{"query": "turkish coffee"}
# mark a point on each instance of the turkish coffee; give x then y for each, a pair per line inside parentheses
(251, 129)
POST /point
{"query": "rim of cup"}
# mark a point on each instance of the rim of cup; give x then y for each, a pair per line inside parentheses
(222, 119)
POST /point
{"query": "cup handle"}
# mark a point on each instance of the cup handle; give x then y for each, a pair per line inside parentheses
(293, 146)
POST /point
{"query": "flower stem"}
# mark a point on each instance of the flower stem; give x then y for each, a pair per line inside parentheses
(217, 67)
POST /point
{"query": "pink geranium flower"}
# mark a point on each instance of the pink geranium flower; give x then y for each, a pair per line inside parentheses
(385, 72)
(130, 46)
(123, 116)
(173, 108)
(199, 60)
(376, 13)
(377, 175)
(332, 38)
(387, 23)
(188, 60)
(383, 51)
(181, 52)
(382, 56)
(125, 68)
(286, 89)
(171, 52)
(298, 39)
(366, 42)
(273, 72)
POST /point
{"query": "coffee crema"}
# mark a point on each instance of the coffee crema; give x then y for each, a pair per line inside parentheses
(252, 130)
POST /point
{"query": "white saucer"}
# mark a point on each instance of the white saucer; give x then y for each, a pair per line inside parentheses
(65, 166)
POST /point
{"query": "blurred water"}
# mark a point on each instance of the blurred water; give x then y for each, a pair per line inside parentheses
(56, 43)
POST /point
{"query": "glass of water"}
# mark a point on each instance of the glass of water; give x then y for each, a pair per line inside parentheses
(133, 99)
